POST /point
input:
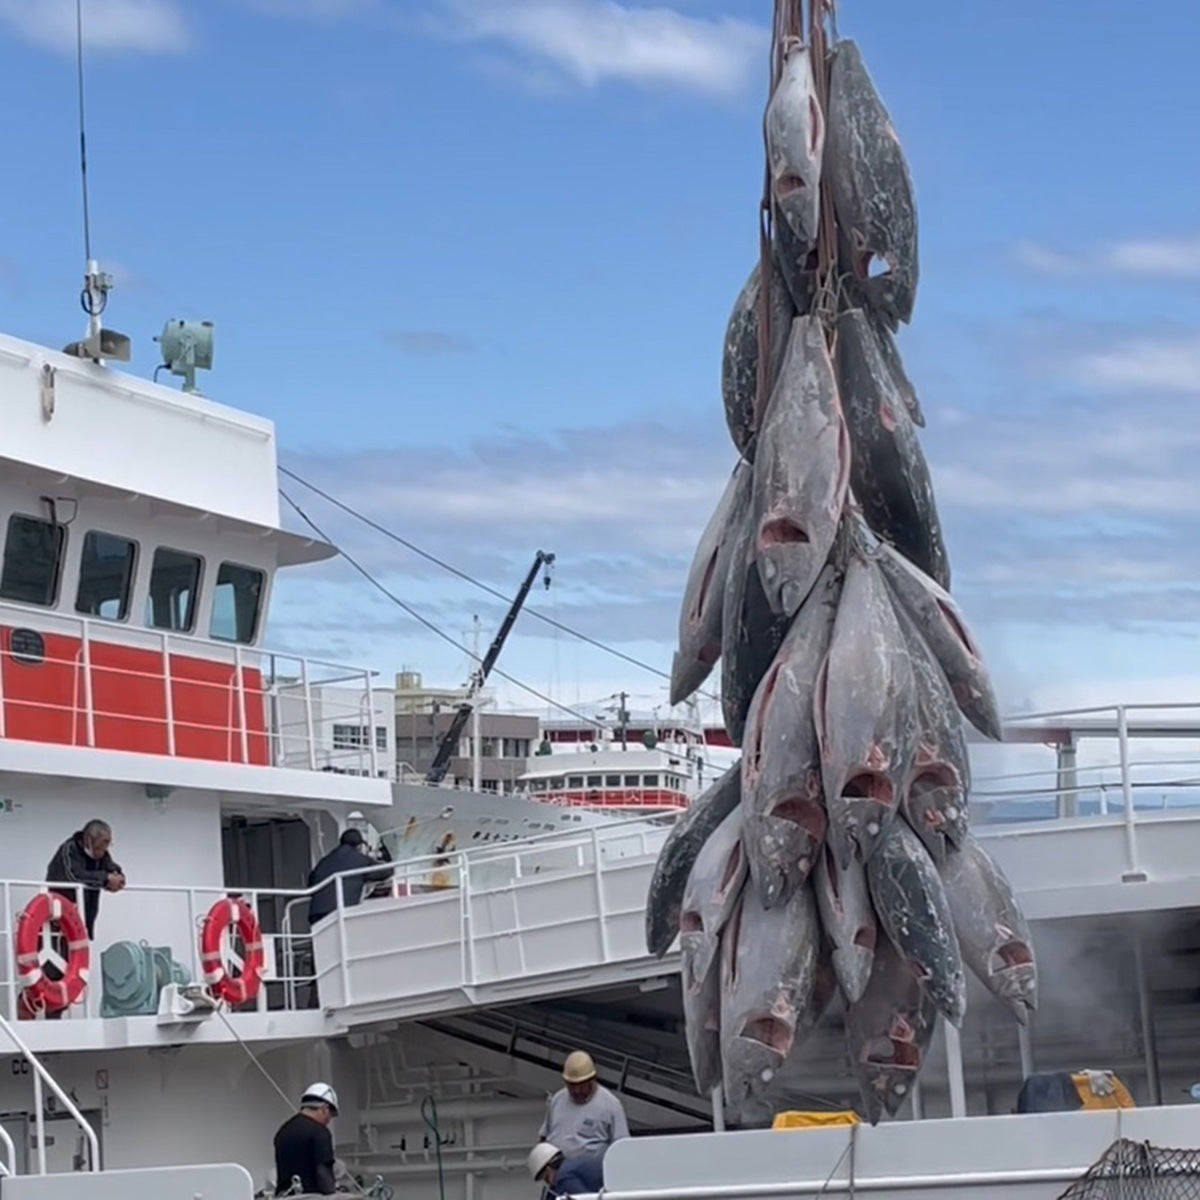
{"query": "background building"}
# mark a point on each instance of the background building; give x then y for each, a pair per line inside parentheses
(424, 715)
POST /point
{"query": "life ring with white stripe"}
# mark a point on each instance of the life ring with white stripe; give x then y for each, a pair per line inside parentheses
(38, 991)
(233, 989)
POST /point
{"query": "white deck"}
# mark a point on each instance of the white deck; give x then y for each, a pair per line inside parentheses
(974, 1158)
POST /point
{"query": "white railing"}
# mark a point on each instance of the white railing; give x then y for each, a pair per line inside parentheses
(108, 685)
(43, 1078)
(482, 908)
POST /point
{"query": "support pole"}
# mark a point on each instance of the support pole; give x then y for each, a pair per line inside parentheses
(1146, 1014)
(718, 1109)
(954, 1070)
(1025, 1046)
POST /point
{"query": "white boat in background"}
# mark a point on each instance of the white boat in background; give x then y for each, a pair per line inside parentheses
(653, 765)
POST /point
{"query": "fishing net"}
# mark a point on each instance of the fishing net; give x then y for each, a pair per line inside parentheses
(1130, 1170)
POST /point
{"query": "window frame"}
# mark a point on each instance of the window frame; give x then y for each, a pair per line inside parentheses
(201, 578)
(59, 563)
(259, 608)
(123, 617)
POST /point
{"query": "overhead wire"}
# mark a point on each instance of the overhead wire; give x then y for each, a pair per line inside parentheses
(392, 535)
(430, 625)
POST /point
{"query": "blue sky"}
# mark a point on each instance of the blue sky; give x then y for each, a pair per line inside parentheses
(475, 258)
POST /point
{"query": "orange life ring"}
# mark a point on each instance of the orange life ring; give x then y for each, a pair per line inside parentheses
(38, 991)
(234, 989)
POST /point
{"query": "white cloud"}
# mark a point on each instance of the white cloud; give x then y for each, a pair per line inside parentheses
(1149, 258)
(133, 26)
(1166, 364)
(592, 41)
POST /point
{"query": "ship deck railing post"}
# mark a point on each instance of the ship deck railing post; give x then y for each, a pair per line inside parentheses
(373, 748)
(343, 956)
(168, 699)
(89, 711)
(605, 950)
(239, 675)
(954, 1070)
(1133, 870)
(309, 731)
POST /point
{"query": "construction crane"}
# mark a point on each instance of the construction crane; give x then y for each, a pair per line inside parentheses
(445, 750)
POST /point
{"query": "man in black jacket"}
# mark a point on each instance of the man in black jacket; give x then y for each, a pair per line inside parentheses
(84, 862)
(347, 855)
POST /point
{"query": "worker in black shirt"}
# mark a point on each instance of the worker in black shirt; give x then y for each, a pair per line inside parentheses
(347, 855)
(304, 1145)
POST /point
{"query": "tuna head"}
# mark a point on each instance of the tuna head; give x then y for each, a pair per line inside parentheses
(712, 890)
(934, 613)
(888, 1032)
(935, 804)
(935, 800)
(795, 137)
(801, 470)
(664, 898)
(782, 798)
(865, 714)
(769, 973)
(739, 360)
(913, 910)
(889, 475)
(702, 1018)
(703, 597)
(848, 919)
(992, 930)
(871, 187)
(750, 634)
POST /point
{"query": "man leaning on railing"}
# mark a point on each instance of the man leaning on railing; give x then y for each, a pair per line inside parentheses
(85, 865)
(347, 855)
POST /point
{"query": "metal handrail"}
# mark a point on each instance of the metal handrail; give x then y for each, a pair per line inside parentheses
(9, 1168)
(42, 1076)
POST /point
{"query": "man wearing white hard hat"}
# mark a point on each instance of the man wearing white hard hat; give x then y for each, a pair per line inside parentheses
(562, 1177)
(584, 1118)
(304, 1145)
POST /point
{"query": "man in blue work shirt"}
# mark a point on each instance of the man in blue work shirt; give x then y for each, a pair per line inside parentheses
(581, 1176)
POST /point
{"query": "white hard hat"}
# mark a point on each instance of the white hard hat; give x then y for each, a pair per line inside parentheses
(320, 1093)
(540, 1157)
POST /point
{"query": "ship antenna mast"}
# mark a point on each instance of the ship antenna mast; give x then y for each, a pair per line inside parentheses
(100, 343)
(87, 224)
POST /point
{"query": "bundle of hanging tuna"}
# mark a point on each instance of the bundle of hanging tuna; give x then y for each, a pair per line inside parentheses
(835, 858)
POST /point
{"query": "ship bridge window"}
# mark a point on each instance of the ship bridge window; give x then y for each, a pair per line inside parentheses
(174, 584)
(33, 553)
(612, 781)
(652, 781)
(236, 603)
(574, 781)
(105, 576)
(633, 781)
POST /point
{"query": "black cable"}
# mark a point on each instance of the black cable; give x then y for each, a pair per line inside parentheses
(445, 566)
(412, 612)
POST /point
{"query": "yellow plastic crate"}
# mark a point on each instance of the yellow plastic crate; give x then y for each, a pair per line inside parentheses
(814, 1120)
